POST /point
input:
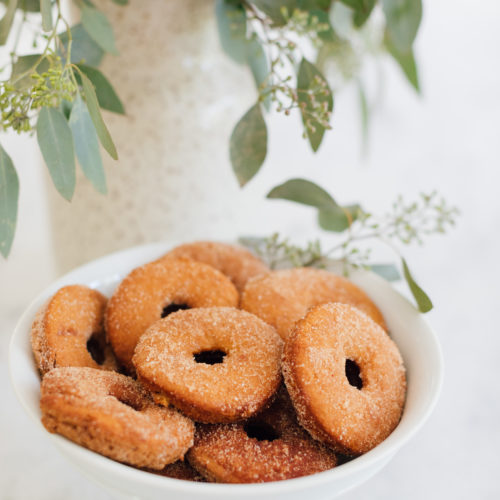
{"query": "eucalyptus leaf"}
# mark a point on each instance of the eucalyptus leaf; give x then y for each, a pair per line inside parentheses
(46, 11)
(306, 80)
(387, 271)
(56, 144)
(423, 301)
(403, 20)
(83, 47)
(339, 218)
(232, 28)
(95, 114)
(272, 9)
(99, 28)
(304, 192)
(106, 95)
(259, 66)
(121, 2)
(6, 21)
(362, 10)
(248, 145)
(9, 196)
(87, 145)
(25, 63)
(406, 61)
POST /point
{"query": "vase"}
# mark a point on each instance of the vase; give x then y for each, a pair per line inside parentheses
(182, 96)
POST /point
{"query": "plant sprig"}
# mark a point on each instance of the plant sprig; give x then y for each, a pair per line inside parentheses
(38, 96)
(405, 224)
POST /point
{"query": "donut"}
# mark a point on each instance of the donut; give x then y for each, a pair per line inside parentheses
(180, 470)
(215, 364)
(345, 377)
(283, 297)
(237, 263)
(269, 447)
(68, 331)
(157, 289)
(113, 415)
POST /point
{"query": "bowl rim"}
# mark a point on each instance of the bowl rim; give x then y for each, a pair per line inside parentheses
(141, 253)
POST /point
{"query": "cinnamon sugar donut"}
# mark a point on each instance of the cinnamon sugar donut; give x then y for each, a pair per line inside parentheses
(269, 447)
(180, 470)
(155, 290)
(215, 364)
(68, 331)
(346, 378)
(113, 415)
(237, 263)
(283, 297)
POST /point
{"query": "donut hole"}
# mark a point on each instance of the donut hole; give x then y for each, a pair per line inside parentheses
(127, 400)
(260, 430)
(353, 373)
(210, 357)
(95, 347)
(173, 307)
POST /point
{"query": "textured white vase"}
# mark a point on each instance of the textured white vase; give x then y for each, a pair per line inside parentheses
(182, 97)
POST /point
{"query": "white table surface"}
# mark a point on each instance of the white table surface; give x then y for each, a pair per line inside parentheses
(448, 139)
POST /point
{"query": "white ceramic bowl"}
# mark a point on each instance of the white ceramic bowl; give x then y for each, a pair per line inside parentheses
(417, 342)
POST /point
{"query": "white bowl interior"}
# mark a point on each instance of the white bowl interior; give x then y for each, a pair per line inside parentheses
(415, 339)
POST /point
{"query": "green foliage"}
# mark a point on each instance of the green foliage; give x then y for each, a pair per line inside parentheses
(362, 10)
(315, 101)
(406, 61)
(9, 194)
(388, 271)
(87, 145)
(423, 301)
(106, 95)
(56, 144)
(6, 21)
(304, 192)
(403, 20)
(95, 114)
(248, 144)
(99, 28)
(232, 27)
(83, 48)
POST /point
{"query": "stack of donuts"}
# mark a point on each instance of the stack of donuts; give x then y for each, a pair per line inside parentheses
(205, 365)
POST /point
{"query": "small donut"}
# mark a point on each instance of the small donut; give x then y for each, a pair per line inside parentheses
(269, 447)
(113, 415)
(69, 331)
(215, 364)
(237, 263)
(155, 290)
(283, 297)
(180, 470)
(345, 377)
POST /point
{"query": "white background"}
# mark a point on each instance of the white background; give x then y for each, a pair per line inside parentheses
(447, 139)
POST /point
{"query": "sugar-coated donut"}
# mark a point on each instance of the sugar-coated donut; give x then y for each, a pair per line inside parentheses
(180, 470)
(113, 415)
(156, 289)
(283, 297)
(68, 331)
(215, 364)
(269, 447)
(235, 262)
(346, 378)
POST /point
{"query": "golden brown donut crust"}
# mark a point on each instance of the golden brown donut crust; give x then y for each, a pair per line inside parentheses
(140, 298)
(283, 297)
(234, 389)
(225, 453)
(64, 325)
(351, 420)
(237, 263)
(113, 415)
